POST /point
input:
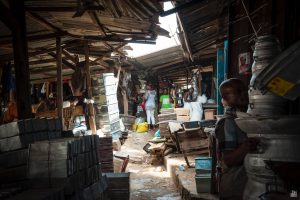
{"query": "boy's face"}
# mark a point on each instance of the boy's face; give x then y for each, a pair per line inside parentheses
(224, 102)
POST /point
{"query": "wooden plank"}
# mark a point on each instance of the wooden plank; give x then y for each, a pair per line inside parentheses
(61, 8)
(96, 20)
(37, 62)
(87, 69)
(64, 61)
(59, 79)
(43, 22)
(91, 112)
(7, 17)
(185, 36)
(50, 79)
(70, 57)
(21, 61)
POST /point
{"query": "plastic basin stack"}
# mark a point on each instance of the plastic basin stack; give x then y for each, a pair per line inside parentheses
(203, 166)
(106, 104)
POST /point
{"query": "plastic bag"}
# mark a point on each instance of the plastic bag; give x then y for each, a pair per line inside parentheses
(142, 127)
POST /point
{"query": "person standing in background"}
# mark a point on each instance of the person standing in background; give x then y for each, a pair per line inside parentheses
(187, 99)
(150, 97)
(164, 100)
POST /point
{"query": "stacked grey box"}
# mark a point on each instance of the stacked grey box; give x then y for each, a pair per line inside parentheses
(266, 49)
(14, 140)
(106, 104)
(71, 163)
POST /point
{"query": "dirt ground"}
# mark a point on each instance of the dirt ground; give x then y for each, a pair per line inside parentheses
(146, 181)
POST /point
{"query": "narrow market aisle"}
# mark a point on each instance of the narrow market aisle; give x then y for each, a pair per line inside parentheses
(146, 181)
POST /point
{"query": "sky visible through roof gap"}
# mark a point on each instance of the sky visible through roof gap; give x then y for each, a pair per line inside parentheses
(168, 23)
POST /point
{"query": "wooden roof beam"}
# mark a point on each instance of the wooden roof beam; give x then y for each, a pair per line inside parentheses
(61, 8)
(49, 79)
(39, 51)
(96, 20)
(36, 62)
(114, 38)
(32, 38)
(43, 22)
(64, 61)
(74, 59)
(7, 18)
(185, 37)
(180, 7)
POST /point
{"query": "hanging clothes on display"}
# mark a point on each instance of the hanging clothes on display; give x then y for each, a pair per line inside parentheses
(8, 82)
(78, 83)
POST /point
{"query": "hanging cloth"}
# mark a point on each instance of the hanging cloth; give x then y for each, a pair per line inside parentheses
(7, 80)
(78, 80)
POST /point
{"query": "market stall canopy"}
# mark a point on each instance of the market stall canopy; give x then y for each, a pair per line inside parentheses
(170, 64)
(203, 26)
(107, 25)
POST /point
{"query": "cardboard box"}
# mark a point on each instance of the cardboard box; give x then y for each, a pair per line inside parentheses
(209, 113)
(182, 111)
(183, 118)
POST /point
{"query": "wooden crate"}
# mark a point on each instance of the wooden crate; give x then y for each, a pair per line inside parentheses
(164, 130)
(182, 111)
(209, 114)
(183, 118)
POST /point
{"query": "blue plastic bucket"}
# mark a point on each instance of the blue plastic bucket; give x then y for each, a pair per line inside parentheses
(203, 165)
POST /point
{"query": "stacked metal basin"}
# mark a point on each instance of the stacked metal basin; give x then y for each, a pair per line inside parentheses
(195, 86)
(278, 133)
(266, 49)
(106, 104)
(279, 141)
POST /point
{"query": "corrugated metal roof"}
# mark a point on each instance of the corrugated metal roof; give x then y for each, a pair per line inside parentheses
(108, 25)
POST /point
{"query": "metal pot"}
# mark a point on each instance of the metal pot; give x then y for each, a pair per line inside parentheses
(279, 141)
(265, 104)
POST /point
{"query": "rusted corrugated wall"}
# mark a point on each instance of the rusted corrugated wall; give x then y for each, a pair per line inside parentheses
(278, 17)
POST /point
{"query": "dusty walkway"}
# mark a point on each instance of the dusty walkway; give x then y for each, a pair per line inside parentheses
(146, 181)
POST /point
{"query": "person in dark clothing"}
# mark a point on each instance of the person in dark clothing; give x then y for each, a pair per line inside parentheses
(232, 143)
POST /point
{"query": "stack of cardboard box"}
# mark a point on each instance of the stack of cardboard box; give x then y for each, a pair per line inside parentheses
(183, 114)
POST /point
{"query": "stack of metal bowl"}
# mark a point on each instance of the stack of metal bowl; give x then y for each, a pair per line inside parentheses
(279, 143)
(277, 132)
(266, 49)
(195, 86)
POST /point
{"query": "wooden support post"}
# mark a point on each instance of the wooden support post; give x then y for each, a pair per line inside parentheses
(199, 81)
(125, 98)
(87, 70)
(21, 60)
(59, 79)
(91, 112)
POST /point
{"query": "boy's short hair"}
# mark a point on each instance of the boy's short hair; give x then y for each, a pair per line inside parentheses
(235, 92)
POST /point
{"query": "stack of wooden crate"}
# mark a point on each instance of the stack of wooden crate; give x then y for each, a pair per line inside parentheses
(183, 114)
(54, 169)
(14, 140)
(105, 154)
(71, 163)
(164, 123)
(118, 186)
(106, 104)
(192, 140)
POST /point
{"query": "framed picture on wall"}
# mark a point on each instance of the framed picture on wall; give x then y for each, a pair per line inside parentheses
(244, 63)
